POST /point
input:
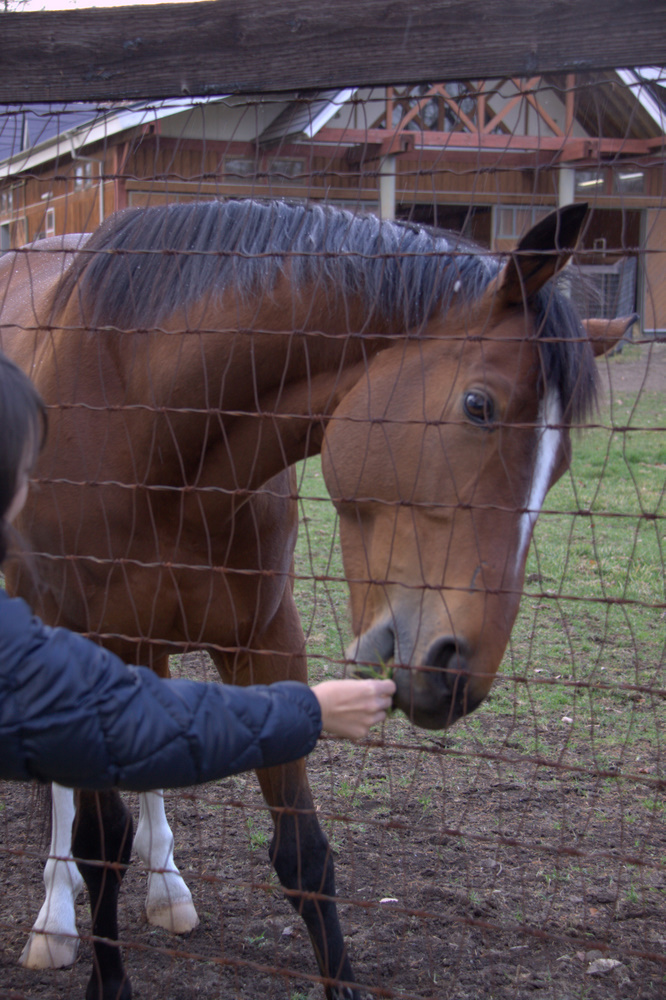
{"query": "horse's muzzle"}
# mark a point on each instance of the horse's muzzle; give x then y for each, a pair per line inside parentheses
(433, 695)
(436, 695)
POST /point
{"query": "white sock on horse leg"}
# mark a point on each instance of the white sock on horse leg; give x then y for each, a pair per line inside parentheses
(169, 901)
(53, 942)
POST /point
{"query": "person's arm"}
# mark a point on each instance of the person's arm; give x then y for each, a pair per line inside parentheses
(72, 712)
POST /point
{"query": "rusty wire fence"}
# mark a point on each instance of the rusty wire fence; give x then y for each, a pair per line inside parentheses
(521, 852)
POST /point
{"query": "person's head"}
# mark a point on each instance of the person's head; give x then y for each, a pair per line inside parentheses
(22, 432)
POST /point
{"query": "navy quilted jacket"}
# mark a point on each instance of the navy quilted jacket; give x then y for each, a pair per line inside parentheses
(72, 712)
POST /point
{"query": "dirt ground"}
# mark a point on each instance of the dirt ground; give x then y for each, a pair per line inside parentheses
(465, 870)
(639, 368)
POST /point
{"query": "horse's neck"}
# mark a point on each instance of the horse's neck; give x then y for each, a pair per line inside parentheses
(279, 378)
(241, 389)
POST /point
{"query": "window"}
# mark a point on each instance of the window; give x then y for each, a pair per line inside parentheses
(628, 181)
(7, 202)
(83, 174)
(50, 228)
(590, 182)
(285, 168)
(236, 166)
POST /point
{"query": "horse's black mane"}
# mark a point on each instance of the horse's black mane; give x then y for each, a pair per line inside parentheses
(142, 264)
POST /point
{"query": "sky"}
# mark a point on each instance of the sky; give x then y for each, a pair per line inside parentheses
(80, 4)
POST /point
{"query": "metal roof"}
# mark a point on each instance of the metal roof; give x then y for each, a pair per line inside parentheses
(23, 126)
(306, 115)
(34, 134)
(648, 85)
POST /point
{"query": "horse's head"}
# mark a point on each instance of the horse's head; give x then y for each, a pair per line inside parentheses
(438, 462)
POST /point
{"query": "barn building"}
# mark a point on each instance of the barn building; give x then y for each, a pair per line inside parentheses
(485, 158)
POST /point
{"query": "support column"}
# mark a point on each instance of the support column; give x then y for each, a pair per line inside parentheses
(567, 186)
(387, 187)
(565, 196)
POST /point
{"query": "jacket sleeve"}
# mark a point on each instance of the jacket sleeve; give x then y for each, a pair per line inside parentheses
(72, 712)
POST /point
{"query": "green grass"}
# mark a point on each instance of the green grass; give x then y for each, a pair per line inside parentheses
(320, 590)
(593, 616)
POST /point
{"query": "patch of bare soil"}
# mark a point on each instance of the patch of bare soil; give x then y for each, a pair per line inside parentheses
(638, 368)
(464, 871)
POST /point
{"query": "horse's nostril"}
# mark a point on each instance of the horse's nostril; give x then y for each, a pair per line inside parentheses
(446, 655)
(436, 692)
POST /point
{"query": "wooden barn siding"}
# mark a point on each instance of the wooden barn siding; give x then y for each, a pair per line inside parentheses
(462, 182)
(654, 260)
(193, 169)
(76, 209)
(197, 169)
(656, 177)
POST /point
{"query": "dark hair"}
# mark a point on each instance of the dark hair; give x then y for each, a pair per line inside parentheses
(22, 425)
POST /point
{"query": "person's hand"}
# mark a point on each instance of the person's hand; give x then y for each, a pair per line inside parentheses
(350, 707)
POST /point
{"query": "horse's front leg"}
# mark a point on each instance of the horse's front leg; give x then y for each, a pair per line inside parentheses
(303, 861)
(169, 901)
(299, 850)
(53, 942)
(102, 844)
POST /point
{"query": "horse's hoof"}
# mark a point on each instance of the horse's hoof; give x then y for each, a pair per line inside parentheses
(177, 918)
(49, 951)
(108, 989)
(344, 993)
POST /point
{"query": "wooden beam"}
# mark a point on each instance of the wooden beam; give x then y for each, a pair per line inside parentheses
(257, 46)
(397, 144)
(567, 148)
(543, 114)
(517, 99)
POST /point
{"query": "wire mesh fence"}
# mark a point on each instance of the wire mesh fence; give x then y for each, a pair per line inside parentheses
(521, 852)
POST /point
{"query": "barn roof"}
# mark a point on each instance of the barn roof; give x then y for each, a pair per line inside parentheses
(34, 134)
(306, 115)
(23, 126)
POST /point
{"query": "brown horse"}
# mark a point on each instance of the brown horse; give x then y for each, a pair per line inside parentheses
(190, 355)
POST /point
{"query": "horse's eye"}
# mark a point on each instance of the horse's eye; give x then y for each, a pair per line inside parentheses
(479, 407)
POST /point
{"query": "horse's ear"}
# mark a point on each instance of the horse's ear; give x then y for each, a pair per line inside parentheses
(542, 252)
(605, 334)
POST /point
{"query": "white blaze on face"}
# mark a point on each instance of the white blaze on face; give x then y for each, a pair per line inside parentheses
(549, 439)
